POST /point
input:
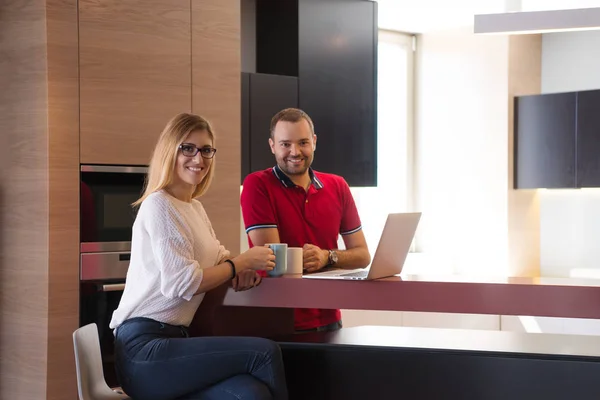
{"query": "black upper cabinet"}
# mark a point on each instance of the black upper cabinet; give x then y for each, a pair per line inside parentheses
(588, 139)
(263, 95)
(277, 37)
(337, 85)
(557, 140)
(269, 94)
(545, 138)
(330, 46)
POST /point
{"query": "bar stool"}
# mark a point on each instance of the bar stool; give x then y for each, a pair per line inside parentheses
(91, 384)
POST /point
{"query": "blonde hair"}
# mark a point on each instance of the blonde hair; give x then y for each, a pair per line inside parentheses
(162, 165)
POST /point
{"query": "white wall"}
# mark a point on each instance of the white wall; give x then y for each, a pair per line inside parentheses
(462, 150)
(461, 147)
(570, 219)
(457, 72)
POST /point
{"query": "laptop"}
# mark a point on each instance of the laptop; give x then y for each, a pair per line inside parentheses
(393, 247)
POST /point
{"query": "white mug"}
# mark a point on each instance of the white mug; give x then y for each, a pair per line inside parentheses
(294, 260)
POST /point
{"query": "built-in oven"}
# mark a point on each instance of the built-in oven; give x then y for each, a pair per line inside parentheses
(107, 218)
(106, 213)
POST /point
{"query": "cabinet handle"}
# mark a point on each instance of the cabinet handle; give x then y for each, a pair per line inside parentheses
(115, 287)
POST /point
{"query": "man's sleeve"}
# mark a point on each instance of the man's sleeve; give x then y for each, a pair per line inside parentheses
(350, 218)
(257, 210)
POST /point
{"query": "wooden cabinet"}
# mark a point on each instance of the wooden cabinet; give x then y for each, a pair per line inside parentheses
(144, 61)
(588, 139)
(337, 85)
(216, 66)
(330, 46)
(557, 140)
(545, 138)
(245, 142)
(135, 74)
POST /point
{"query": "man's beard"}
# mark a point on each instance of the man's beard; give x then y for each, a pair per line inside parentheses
(295, 170)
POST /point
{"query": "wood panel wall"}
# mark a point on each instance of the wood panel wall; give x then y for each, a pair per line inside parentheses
(524, 77)
(23, 200)
(216, 95)
(40, 156)
(63, 196)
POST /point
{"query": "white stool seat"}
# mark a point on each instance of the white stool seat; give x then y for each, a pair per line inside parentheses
(91, 384)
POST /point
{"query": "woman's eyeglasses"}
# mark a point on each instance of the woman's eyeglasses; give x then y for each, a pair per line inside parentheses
(190, 150)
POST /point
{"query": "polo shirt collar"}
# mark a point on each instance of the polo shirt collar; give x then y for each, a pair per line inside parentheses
(287, 182)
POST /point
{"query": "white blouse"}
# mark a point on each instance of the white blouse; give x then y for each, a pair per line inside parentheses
(172, 242)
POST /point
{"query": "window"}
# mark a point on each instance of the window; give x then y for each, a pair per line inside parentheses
(394, 137)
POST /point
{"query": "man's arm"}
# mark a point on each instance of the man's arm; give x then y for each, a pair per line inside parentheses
(262, 236)
(259, 214)
(356, 254)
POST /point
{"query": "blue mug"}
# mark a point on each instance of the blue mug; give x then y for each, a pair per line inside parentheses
(280, 251)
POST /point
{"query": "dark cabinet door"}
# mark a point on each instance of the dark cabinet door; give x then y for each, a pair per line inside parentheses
(268, 95)
(337, 85)
(588, 139)
(545, 141)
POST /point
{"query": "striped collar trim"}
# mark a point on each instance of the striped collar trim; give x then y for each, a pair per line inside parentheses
(287, 182)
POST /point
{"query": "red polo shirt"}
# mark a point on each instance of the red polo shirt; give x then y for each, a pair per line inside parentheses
(271, 200)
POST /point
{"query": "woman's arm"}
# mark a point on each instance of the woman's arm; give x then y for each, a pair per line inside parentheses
(214, 277)
(257, 258)
(181, 275)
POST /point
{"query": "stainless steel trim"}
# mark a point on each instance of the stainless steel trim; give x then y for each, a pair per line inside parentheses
(114, 168)
(101, 266)
(100, 247)
(115, 287)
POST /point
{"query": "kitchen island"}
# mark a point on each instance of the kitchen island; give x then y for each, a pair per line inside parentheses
(394, 362)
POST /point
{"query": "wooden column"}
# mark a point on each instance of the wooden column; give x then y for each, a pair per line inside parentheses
(216, 95)
(63, 196)
(524, 77)
(24, 193)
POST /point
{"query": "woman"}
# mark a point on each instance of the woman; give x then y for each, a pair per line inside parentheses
(175, 259)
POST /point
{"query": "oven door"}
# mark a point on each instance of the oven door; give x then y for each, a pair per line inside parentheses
(102, 281)
(98, 300)
(106, 194)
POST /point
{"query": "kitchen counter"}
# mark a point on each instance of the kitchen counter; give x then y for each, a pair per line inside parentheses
(548, 297)
(268, 309)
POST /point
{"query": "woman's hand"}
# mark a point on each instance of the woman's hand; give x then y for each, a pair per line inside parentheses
(245, 280)
(259, 258)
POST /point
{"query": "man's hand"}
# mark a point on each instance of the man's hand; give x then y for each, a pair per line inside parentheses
(314, 258)
(246, 279)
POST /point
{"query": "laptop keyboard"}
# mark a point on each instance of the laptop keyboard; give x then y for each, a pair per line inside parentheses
(357, 274)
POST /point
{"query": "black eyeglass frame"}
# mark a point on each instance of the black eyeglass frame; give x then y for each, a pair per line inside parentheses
(201, 150)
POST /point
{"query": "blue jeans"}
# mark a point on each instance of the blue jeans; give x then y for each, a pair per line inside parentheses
(157, 361)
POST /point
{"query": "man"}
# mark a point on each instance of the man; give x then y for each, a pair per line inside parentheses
(291, 203)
